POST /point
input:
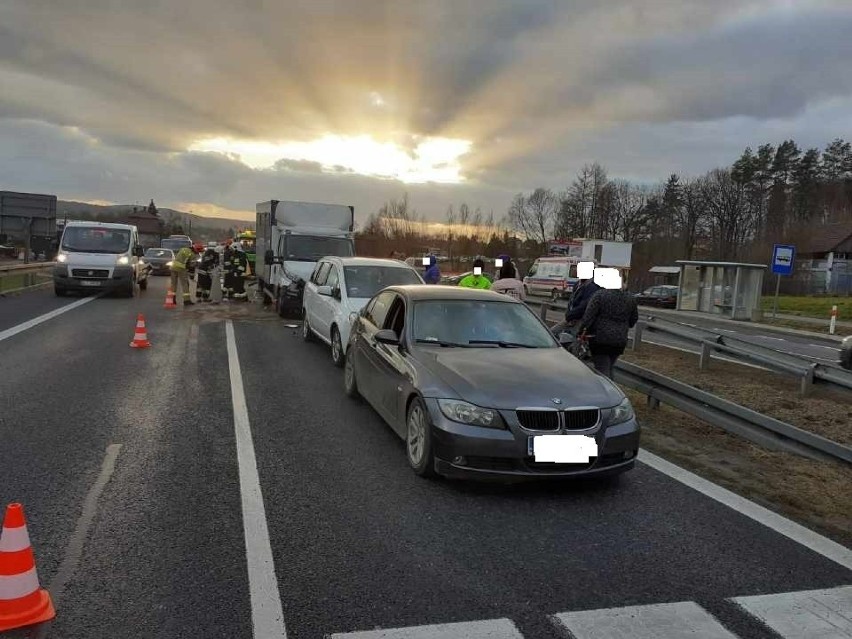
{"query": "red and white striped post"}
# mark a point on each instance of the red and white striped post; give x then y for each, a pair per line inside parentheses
(833, 324)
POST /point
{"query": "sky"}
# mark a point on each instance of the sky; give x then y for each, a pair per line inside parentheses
(213, 105)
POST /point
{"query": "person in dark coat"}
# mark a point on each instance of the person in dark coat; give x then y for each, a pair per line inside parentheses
(609, 316)
(209, 261)
(577, 305)
(432, 274)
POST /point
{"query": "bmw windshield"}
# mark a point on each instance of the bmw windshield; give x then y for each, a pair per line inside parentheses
(95, 240)
(471, 323)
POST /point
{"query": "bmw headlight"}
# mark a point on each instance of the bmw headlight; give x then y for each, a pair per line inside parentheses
(466, 413)
(169, 263)
(123, 260)
(621, 413)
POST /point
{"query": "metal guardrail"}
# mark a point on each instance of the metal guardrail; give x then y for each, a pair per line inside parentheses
(805, 368)
(757, 428)
(11, 269)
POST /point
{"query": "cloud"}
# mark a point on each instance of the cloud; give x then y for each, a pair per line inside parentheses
(102, 98)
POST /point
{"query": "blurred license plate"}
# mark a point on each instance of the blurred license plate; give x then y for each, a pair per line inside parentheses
(90, 283)
(563, 449)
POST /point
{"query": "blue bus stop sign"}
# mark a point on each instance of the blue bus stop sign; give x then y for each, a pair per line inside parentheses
(783, 257)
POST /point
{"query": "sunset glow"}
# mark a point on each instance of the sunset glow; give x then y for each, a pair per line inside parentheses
(431, 159)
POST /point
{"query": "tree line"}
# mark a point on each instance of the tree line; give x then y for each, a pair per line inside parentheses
(776, 193)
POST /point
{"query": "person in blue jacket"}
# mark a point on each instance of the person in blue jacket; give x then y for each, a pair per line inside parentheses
(433, 273)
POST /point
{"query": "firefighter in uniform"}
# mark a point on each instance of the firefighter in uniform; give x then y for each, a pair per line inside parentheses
(209, 261)
(227, 267)
(182, 266)
(239, 268)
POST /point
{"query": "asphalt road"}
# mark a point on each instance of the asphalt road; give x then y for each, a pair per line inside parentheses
(358, 542)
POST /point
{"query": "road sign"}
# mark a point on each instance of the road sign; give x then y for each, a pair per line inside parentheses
(783, 257)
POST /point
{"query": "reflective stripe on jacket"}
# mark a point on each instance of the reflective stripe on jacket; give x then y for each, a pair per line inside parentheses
(182, 259)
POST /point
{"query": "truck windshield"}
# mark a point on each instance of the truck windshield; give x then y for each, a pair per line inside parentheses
(95, 240)
(310, 248)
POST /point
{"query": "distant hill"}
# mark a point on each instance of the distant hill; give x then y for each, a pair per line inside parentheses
(201, 225)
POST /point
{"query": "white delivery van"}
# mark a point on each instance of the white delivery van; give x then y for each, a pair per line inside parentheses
(552, 276)
(97, 256)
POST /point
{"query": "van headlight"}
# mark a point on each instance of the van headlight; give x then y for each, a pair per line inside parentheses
(123, 260)
(621, 413)
(467, 413)
(62, 258)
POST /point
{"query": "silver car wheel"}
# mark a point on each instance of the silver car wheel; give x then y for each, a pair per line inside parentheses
(416, 435)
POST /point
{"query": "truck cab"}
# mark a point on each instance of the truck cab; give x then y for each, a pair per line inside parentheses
(292, 237)
(95, 256)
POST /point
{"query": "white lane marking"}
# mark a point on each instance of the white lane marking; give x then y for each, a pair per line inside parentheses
(812, 613)
(783, 526)
(490, 629)
(20, 328)
(74, 549)
(266, 612)
(777, 339)
(723, 330)
(657, 621)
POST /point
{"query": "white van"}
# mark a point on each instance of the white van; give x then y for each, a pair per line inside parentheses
(96, 256)
(552, 276)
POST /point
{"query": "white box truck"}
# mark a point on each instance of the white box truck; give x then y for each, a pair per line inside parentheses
(609, 254)
(291, 238)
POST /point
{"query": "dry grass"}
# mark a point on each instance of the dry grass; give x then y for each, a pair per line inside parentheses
(826, 413)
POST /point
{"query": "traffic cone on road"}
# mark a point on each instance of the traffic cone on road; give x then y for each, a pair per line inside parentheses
(140, 339)
(23, 602)
(170, 300)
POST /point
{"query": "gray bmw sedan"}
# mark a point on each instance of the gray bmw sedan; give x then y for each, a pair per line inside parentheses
(477, 386)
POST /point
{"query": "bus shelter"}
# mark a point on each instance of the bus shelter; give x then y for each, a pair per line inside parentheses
(728, 289)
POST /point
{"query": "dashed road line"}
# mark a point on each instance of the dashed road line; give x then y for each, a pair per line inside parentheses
(266, 611)
(657, 621)
(813, 613)
(490, 629)
(20, 328)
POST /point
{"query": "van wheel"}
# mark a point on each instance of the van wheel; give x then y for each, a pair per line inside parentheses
(60, 292)
(337, 355)
(279, 306)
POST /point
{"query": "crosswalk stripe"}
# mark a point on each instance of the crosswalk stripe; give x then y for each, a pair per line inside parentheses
(657, 621)
(490, 629)
(826, 614)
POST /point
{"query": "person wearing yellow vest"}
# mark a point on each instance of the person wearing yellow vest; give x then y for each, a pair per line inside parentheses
(476, 281)
(183, 263)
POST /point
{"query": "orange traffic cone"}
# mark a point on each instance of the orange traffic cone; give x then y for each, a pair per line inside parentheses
(140, 339)
(23, 602)
(170, 300)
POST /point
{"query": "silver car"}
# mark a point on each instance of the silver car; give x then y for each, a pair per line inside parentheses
(477, 386)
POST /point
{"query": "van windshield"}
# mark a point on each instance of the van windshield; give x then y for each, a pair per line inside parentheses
(95, 240)
(553, 270)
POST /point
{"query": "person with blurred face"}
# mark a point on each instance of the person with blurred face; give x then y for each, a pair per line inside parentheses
(508, 283)
(476, 279)
(609, 316)
(579, 301)
(432, 274)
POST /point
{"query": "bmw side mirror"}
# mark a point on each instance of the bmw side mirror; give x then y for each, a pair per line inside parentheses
(387, 336)
(269, 257)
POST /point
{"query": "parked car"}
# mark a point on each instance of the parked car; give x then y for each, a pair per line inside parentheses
(339, 288)
(160, 260)
(477, 386)
(660, 296)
